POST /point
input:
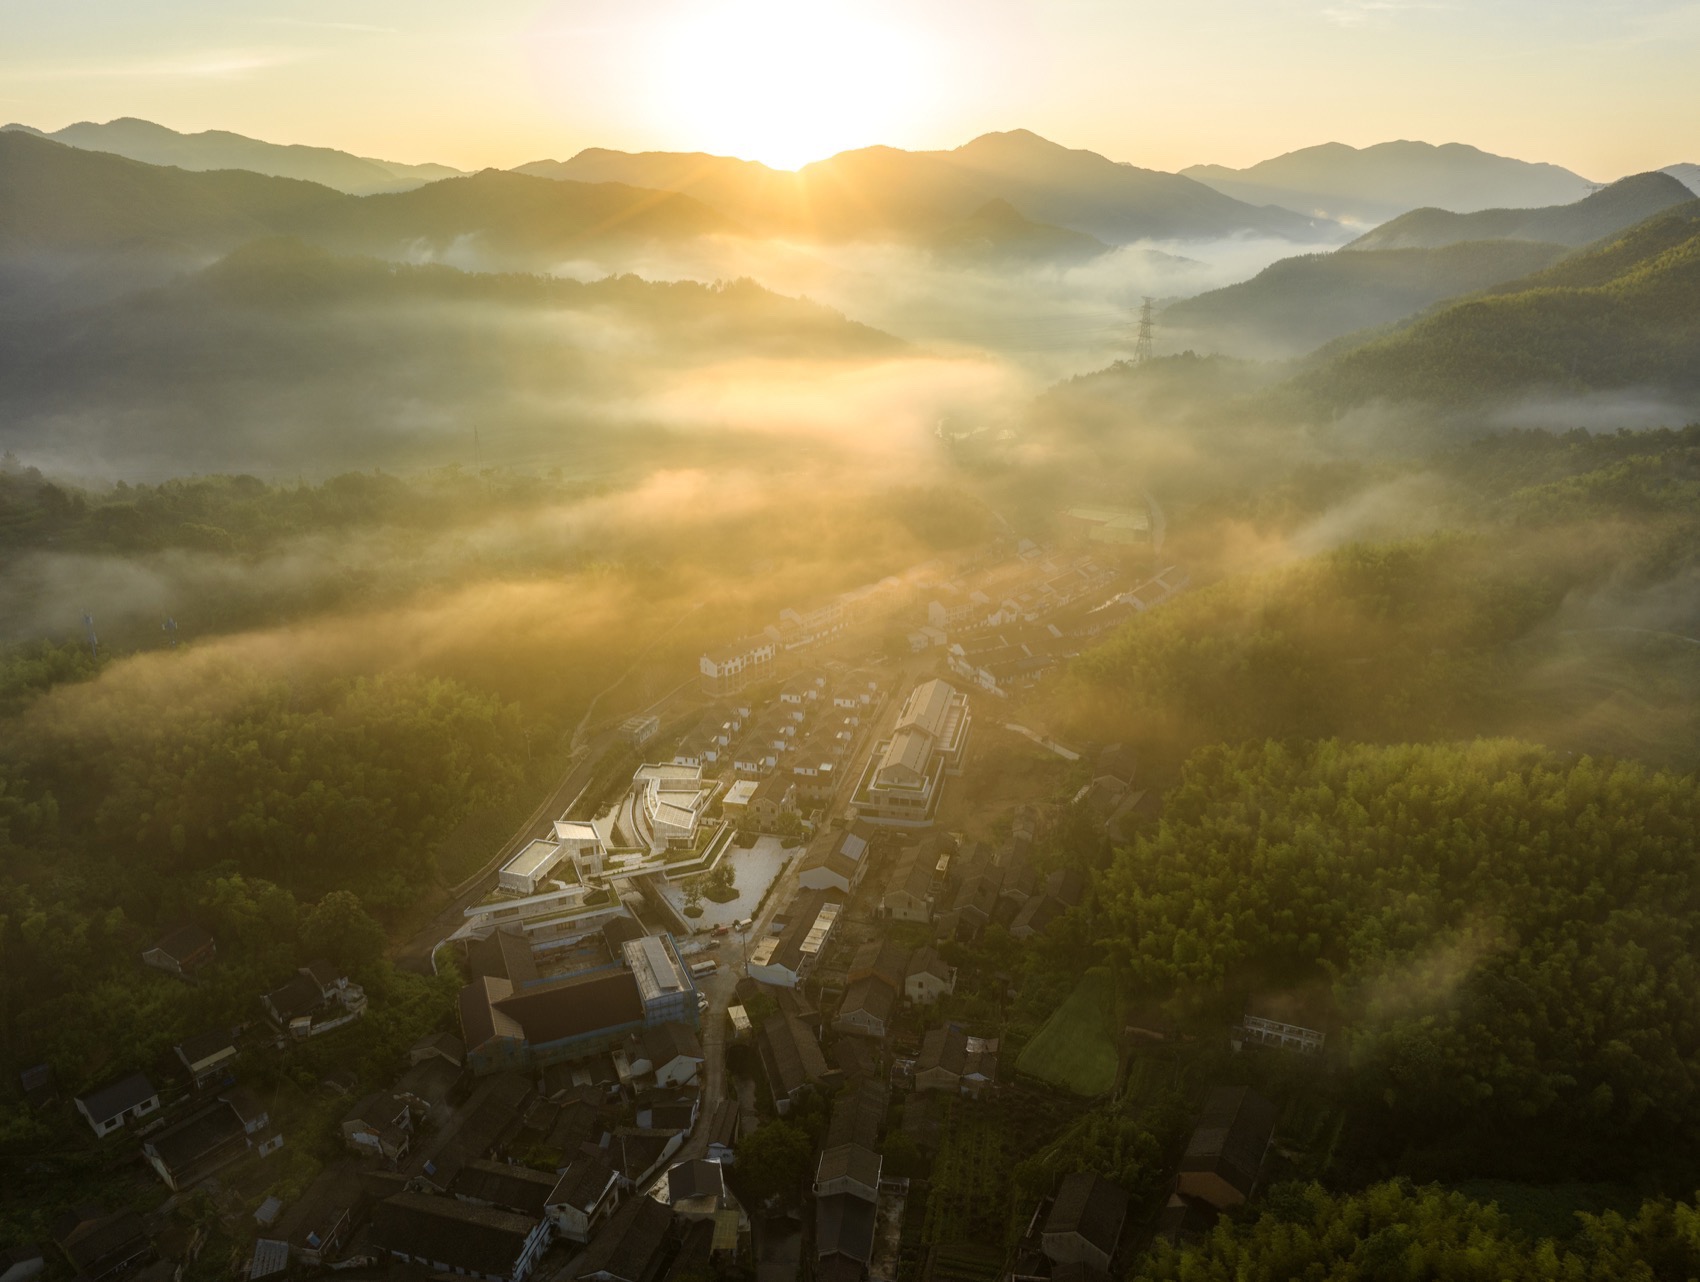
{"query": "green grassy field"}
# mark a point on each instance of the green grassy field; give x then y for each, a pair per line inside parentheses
(1076, 1047)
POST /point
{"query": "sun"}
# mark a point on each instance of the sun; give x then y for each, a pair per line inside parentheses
(785, 83)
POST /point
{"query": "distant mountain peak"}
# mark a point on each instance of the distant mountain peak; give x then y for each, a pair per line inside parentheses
(156, 144)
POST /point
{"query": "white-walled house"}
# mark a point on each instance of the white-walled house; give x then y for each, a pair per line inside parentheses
(110, 1107)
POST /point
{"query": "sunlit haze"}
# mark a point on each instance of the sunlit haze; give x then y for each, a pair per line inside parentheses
(874, 640)
(1603, 88)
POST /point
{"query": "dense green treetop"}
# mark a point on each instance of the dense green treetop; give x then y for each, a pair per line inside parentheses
(1510, 937)
(1394, 1233)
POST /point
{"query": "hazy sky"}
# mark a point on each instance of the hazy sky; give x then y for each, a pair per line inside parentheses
(1605, 87)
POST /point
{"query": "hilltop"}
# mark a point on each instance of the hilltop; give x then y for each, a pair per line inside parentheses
(60, 197)
(1373, 184)
(1623, 313)
(1609, 210)
(1298, 304)
(220, 149)
(885, 191)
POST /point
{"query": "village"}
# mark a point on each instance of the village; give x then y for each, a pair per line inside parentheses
(737, 1017)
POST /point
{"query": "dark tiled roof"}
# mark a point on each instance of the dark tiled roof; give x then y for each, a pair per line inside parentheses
(512, 1188)
(442, 1230)
(584, 1004)
(869, 996)
(949, 1049)
(671, 1117)
(488, 1113)
(300, 996)
(858, 1112)
(207, 1135)
(1067, 884)
(579, 1122)
(247, 1106)
(695, 1252)
(840, 1269)
(506, 954)
(926, 961)
(630, 1244)
(379, 1109)
(886, 960)
(664, 1043)
(913, 870)
(97, 1243)
(844, 1225)
(634, 1151)
(1091, 1206)
(943, 1048)
(696, 1178)
(1232, 1136)
(445, 1044)
(1078, 1271)
(322, 973)
(790, 1054)
(1038, 912)
(1184, 1218)
(183, 943)
(108, 1101)
(582, 1184)
(849, 1162)
(855, 1057)
(831, 859)
(203, 1046)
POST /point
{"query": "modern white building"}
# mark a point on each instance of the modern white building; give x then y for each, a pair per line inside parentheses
(904, 779)
(666, 806)
(728, 668)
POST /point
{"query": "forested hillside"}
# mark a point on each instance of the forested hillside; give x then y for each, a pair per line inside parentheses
(1623, 314)
(1607, 211)
(1506, 621)
(1298, 304)
(1509, 936)
(1394, 1233)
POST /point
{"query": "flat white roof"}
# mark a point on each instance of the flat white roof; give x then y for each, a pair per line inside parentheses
(739, 794)
(669, 772)
(535, 860)
(653, 967)
(816, 937)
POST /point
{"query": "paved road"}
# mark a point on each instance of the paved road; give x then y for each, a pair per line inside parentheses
(719, 989)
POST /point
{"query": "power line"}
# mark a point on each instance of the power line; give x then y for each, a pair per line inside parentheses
(1142, 343)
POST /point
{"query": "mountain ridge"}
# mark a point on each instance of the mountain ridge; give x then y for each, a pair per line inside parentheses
(880, 190)
(1611, 209)
(1620, 313)
(215, 149)
(56, 196)
(1375, 183)
(1299, 304)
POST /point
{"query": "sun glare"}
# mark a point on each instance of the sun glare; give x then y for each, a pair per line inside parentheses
(786, 83)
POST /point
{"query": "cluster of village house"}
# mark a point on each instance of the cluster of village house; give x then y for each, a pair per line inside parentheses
(766, 765)
(579, 1038)
(1002, 631)
(431, 1178)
